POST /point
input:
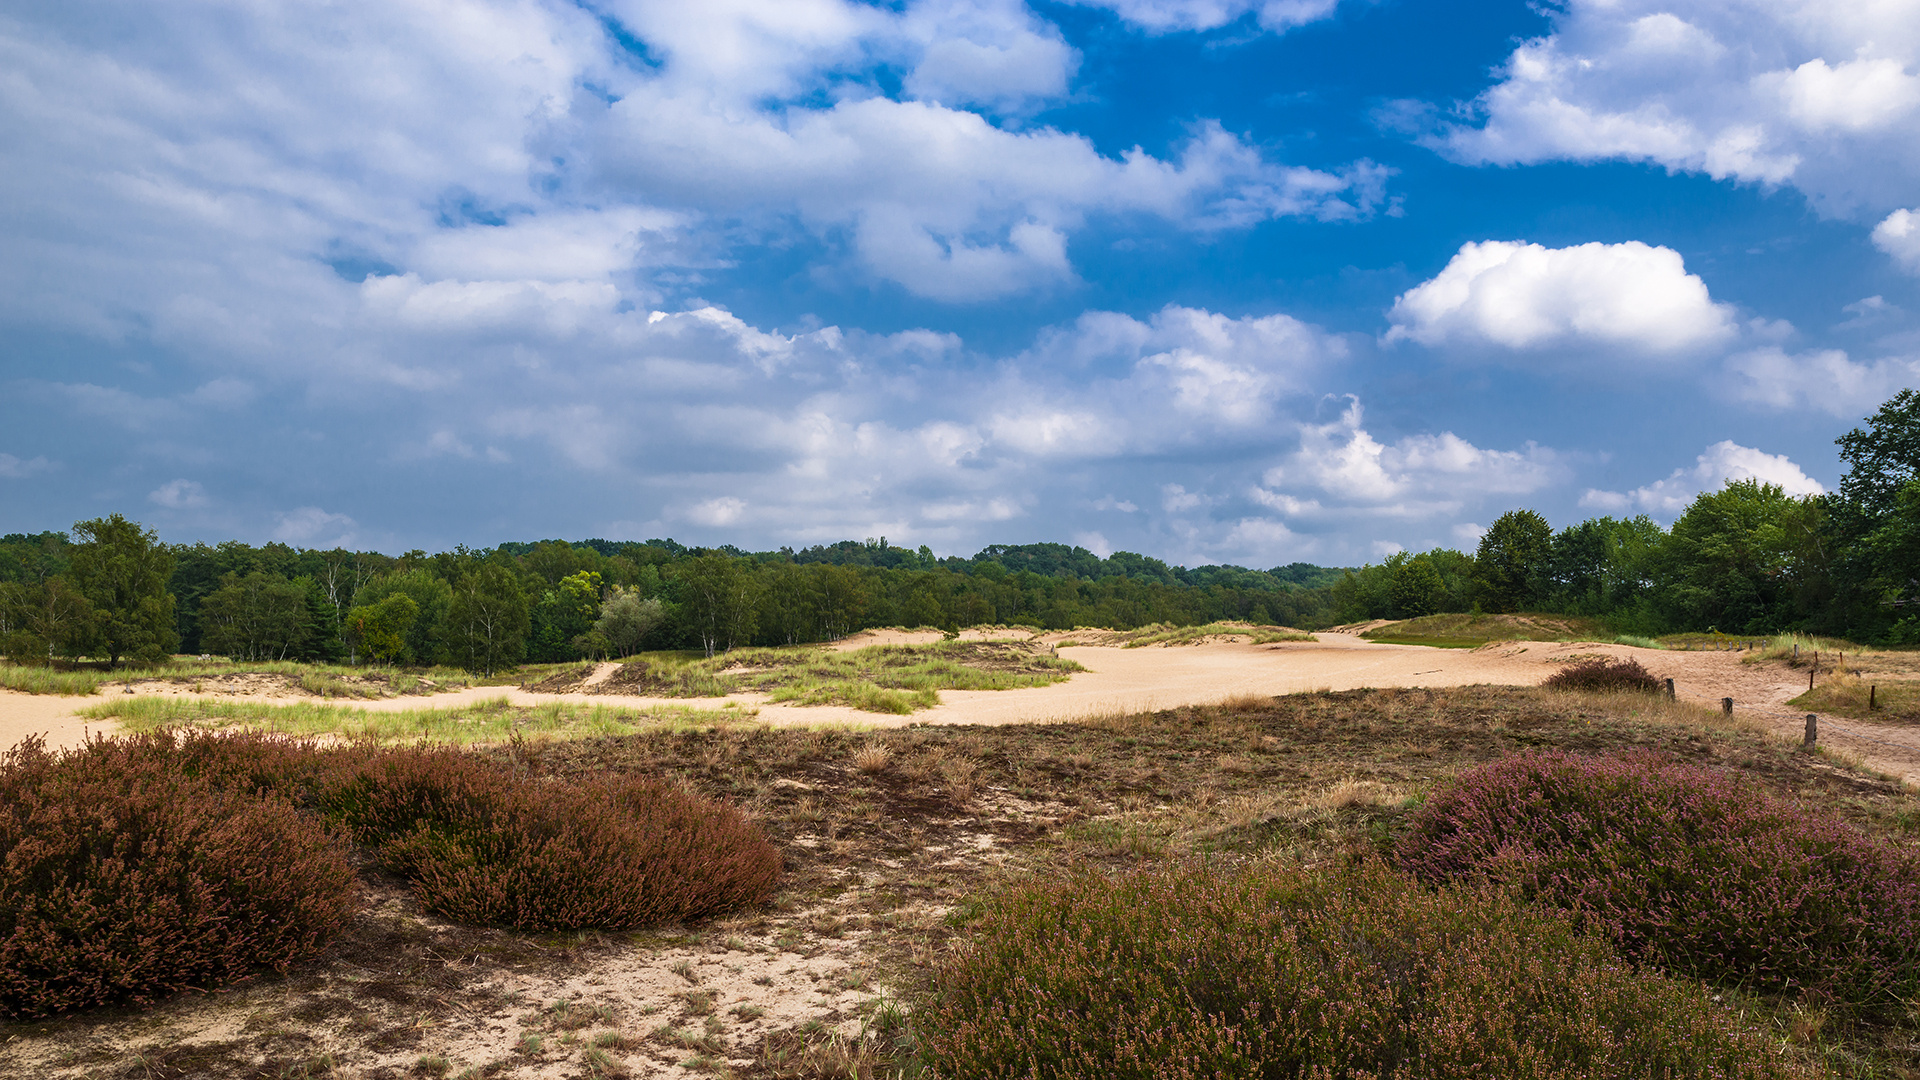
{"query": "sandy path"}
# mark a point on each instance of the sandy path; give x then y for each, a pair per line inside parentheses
(1119, 680)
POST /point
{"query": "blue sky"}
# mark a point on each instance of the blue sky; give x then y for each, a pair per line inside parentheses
(1246, 281)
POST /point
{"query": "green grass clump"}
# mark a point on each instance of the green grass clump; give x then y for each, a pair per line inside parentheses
(1271, 971)
(1164, 634)
(1473, 629)
(1638, 642)
(494, 720)
(125, 877)
(879, 678)
(45, 680)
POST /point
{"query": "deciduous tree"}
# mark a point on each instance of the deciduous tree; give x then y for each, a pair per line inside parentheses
(122, 570)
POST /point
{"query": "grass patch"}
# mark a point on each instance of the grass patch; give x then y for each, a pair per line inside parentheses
(46, 680)
(1844, 693)
(896, 679)
(1163, 634)
(495, 720)
(1472, 630)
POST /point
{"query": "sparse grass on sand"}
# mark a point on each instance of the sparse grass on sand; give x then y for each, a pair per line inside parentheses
(1474, 629)
(895, 679)
(324, 680)
(46, 680)
(495, 720)
(896, 841)
(1162, 634)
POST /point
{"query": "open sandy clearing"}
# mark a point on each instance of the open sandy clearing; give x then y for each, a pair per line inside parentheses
(1121, 680)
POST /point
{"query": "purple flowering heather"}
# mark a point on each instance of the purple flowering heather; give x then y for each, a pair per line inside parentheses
(1687, 867)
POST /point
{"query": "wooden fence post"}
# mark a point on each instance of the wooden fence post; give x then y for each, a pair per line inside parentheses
(1813, 730)
(1669, 689)
(1726, 706)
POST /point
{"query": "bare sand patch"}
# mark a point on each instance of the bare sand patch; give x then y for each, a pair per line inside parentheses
(1121, 680)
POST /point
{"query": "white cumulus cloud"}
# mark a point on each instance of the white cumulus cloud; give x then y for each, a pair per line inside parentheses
(1720, 463)
(13, 468)
(1824, 379)
(1165, 16)
(1415, 476)
(1899, 236)
(179, 495)
(1823, 96)
(1522, 296)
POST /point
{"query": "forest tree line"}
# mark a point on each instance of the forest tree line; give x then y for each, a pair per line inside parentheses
(1747, 559)
(554, 601)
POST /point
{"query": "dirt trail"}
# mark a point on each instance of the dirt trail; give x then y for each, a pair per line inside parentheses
(1120, 680)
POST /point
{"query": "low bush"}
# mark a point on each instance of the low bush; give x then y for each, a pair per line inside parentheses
(1686, 867)
(1272, 972)
(486, 847)
(124, 878)
(1601, 673)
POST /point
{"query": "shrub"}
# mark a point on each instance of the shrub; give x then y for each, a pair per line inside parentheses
(1270, 972)
(123, 878)
(1688, 868)
(609, 851)
(1601, 673)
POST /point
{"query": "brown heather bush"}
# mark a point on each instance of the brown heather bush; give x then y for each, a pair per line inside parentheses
(123, 878)
(1192, 974)
(1689, 868)
(486, 847)
(1601, 673)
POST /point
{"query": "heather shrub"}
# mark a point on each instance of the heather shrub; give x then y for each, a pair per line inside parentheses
(486, 847)
(1688, 868)
(124, 878)
(1601, 673)
(1276, 972)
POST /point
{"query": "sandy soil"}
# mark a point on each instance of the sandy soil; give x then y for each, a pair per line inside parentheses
(1120, 680)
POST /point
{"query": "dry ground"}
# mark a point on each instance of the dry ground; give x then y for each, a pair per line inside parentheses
(889, 835)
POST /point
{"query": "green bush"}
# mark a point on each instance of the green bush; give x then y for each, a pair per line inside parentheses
(1274, 972)
(123, 878)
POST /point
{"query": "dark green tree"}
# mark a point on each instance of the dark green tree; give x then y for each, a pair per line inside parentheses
(1513, 561)
(122, 570)
(43, 620)
(1416, 586)
(1731, 562)
(488, 619)
(718, 599)
(427, 637)
(380, 629)
(1882, 458)
(626, 620)
(260, 616)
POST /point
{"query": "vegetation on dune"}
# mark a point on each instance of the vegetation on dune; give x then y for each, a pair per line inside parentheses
(993, 862)
(1687, 868)
(492, 721)
(1278, 971)
(1162, 634)
(131, 869)
(1601, 674)
(1479, 628)
(125, 878)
